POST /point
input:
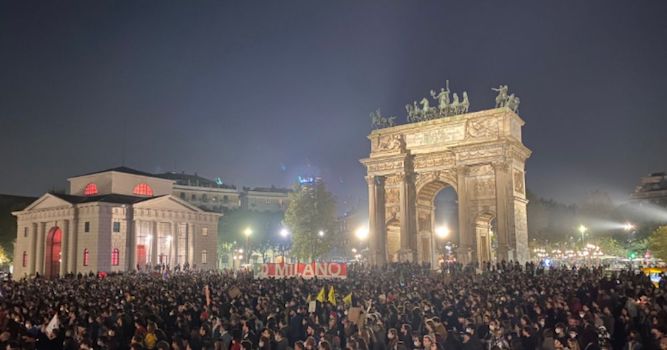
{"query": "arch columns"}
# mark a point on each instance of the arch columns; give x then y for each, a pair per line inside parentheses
(408, 213)
(377, 250)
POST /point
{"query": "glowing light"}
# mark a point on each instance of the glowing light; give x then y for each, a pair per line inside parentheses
(583, 229)
(321, 233)
(628, 226)
(247, 232)
(442, 231)
(354, 250)
(361, 233)
(284, 233)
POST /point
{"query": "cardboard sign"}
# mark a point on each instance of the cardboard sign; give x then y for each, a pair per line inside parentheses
(354, 315)
(234, 292)
(312, 306)
(311, 270)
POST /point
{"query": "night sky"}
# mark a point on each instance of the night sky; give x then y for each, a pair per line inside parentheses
(258, 92)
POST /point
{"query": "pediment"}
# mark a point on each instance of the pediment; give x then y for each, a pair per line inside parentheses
(168, 202)
(48, 201)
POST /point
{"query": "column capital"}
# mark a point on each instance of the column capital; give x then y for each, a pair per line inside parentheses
(500, 165)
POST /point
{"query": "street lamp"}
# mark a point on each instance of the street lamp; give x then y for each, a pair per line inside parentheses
(442, 232)
(361, 233)
(247, 232)
(284, 233)
(628, 227)
(582, 230)
(320, 233)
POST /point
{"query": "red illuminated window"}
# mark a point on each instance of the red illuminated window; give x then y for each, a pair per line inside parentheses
(86, 257)
(90, 190)
(143, 189)
(115, 257)
(25, 259)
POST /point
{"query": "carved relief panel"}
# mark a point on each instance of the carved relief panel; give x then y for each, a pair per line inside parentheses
(519, 185)
(481, 128)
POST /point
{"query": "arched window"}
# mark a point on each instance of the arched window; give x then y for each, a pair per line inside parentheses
(90, 189)
(143, 189)
(203, 256)
(115, 257)
(25, 259)
(86, 257)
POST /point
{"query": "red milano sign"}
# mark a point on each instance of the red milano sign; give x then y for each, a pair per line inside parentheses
(319, 270)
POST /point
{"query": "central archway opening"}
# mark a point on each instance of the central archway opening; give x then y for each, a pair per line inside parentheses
(53, 252)
(437, 223)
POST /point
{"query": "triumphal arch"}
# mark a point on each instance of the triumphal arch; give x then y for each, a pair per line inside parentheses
(480, 155)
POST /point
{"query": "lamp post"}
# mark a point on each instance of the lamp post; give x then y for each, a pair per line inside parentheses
(320, 234)
(582, 230)
(247, 232)
(284, 233)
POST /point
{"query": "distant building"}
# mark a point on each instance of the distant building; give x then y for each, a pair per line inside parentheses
(270, 199)
(113, 220)
(204, 193)
(652, 189)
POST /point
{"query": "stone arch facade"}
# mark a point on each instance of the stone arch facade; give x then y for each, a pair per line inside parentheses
(480, 155)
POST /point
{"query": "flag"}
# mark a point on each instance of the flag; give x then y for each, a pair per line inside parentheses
(321, 296)
(309, 298)
(332, 296)
(348, 299)
(55, 322)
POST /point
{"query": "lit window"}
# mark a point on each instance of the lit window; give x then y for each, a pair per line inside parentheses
(142, 189)
(116, 226)
(90, 189)
(204, 231)
(86, 257)
(203, 256)
(86, 226)
(115, 257)
(25, 259)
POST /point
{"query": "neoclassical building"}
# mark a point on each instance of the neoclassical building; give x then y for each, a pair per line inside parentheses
(113, 220)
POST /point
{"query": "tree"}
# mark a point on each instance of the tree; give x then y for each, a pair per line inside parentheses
(4, 257)
(657, 243)
(311, 217)
(611, 246)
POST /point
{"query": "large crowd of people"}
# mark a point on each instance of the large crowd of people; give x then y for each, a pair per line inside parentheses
(395, 307)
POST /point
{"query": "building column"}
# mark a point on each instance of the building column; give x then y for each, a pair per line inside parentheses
(464, 253)
(177, 233)
(154, 244)
(186, 249)
(72, 244)
(376, 210)
(63, 249)
(131, 245)
(406, 252)
(41, 241)
(170, 252)
(502, 211)
(191, 244)
(33, 248)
